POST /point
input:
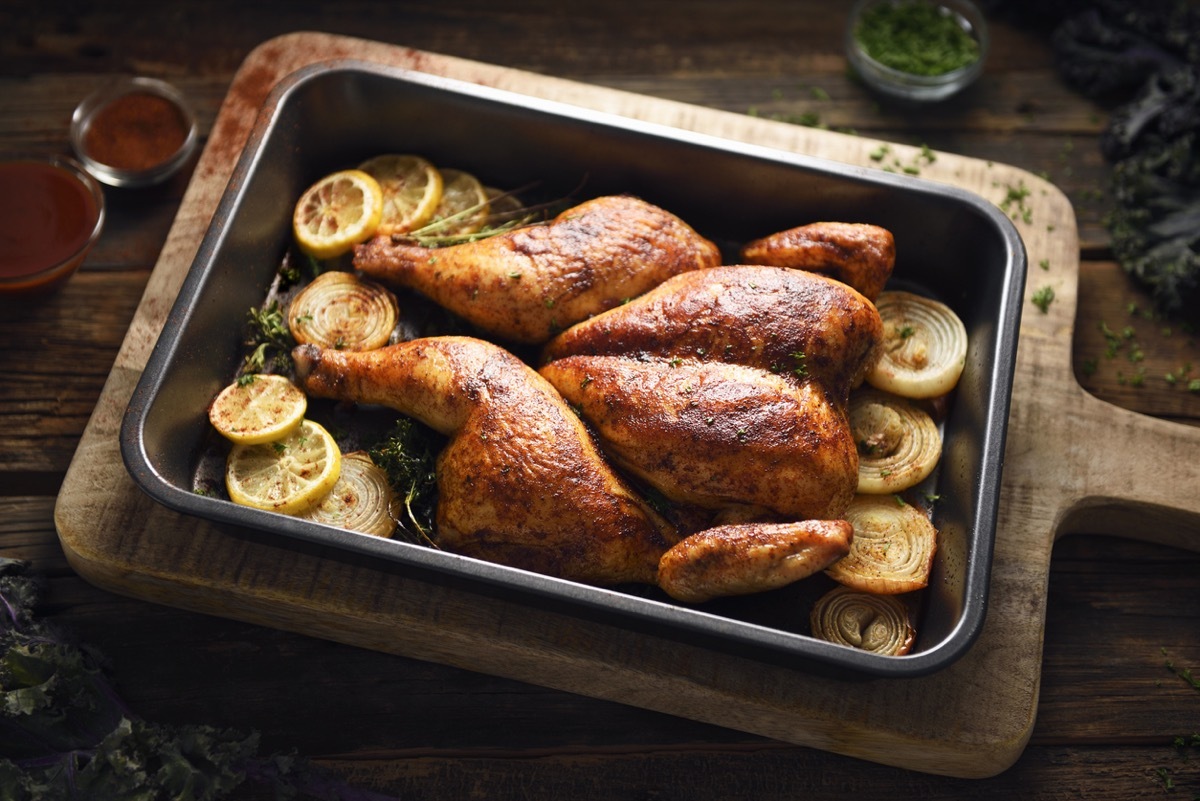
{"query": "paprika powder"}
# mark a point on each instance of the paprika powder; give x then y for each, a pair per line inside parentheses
(134, 133)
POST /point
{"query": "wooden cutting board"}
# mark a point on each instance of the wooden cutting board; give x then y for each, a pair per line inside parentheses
(1074, 463)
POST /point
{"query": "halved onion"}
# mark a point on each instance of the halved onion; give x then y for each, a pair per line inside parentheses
(924, 349)
(898, 443)
(360, 500)
(877, 623)
(341, 311)
(892, 550)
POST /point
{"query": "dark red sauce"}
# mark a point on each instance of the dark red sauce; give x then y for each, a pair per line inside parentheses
(47, 215)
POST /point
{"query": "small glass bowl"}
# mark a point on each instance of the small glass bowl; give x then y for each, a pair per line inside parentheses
(88, 112)
(920, 88)
(56, 219)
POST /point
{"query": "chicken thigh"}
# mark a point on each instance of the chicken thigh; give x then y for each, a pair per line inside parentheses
(520, 481)
(526, 285)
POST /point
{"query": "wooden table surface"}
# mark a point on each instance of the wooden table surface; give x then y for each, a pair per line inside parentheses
(1118, 609)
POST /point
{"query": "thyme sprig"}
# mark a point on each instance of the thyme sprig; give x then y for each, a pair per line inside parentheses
(431, 234)
(269, 338)
(408, 454)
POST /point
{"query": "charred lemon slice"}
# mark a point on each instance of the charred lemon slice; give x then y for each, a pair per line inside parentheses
(290, 475)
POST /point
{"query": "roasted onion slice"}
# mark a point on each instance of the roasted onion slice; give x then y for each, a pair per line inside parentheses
(898, 443)
(341, 311)
(877, 623)
(924, 348)
(892, 550)
(361, 499)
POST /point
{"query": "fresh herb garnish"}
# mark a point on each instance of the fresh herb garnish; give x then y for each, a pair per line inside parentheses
(916, 37)
(270, 339)
(408, 455)
(66, 733)
(1043, 298)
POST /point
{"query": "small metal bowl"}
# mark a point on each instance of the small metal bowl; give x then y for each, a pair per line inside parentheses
(57, 220)
(121, 152)
(908, 86)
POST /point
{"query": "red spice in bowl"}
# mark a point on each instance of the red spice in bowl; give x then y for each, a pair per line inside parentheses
(134, 133)
(51, 214)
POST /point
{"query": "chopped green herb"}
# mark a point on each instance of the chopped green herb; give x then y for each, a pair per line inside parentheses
(1043, 298)
(916, 37)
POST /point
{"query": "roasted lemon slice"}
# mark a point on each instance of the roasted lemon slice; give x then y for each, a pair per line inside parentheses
(412, 189)
(290, 475)
(337, 212)
(464, 206)
(258, 408)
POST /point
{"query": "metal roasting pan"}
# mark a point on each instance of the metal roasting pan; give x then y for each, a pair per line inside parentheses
(950, 243)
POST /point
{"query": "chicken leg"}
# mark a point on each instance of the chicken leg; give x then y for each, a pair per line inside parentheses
(520, 481)
(526, 285)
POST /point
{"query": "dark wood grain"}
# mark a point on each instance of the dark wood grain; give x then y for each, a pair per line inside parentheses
(1118, 610)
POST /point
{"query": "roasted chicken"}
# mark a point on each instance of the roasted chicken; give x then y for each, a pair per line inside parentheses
(520, 481)
(526, 285)
(728, 387)
(715, 435)
(857, 254)
(789, 322)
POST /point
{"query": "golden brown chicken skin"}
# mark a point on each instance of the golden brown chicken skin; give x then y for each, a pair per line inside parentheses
(749, 558)
(717, 435)
(521, 481)
(791, 323)
(857, 254)
(526, 285)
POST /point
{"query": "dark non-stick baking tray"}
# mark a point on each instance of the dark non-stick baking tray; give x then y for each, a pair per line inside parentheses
(950, 243)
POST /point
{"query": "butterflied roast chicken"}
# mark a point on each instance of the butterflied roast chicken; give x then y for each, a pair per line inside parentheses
(526, 285)
(521, 481)
(720, 389)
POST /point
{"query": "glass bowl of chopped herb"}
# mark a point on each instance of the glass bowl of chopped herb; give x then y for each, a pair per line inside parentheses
(919, 50)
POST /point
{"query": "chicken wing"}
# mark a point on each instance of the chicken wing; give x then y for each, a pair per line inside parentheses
(749, 558)
(857, 254)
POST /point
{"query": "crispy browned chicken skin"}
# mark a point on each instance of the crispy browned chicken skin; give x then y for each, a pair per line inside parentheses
(749, 558)
(857, 254)
(784, 321)
(526, 285)
(714, 435)
(520, 481)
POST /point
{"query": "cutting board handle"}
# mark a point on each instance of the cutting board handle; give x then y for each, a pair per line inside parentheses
(1130, 475)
